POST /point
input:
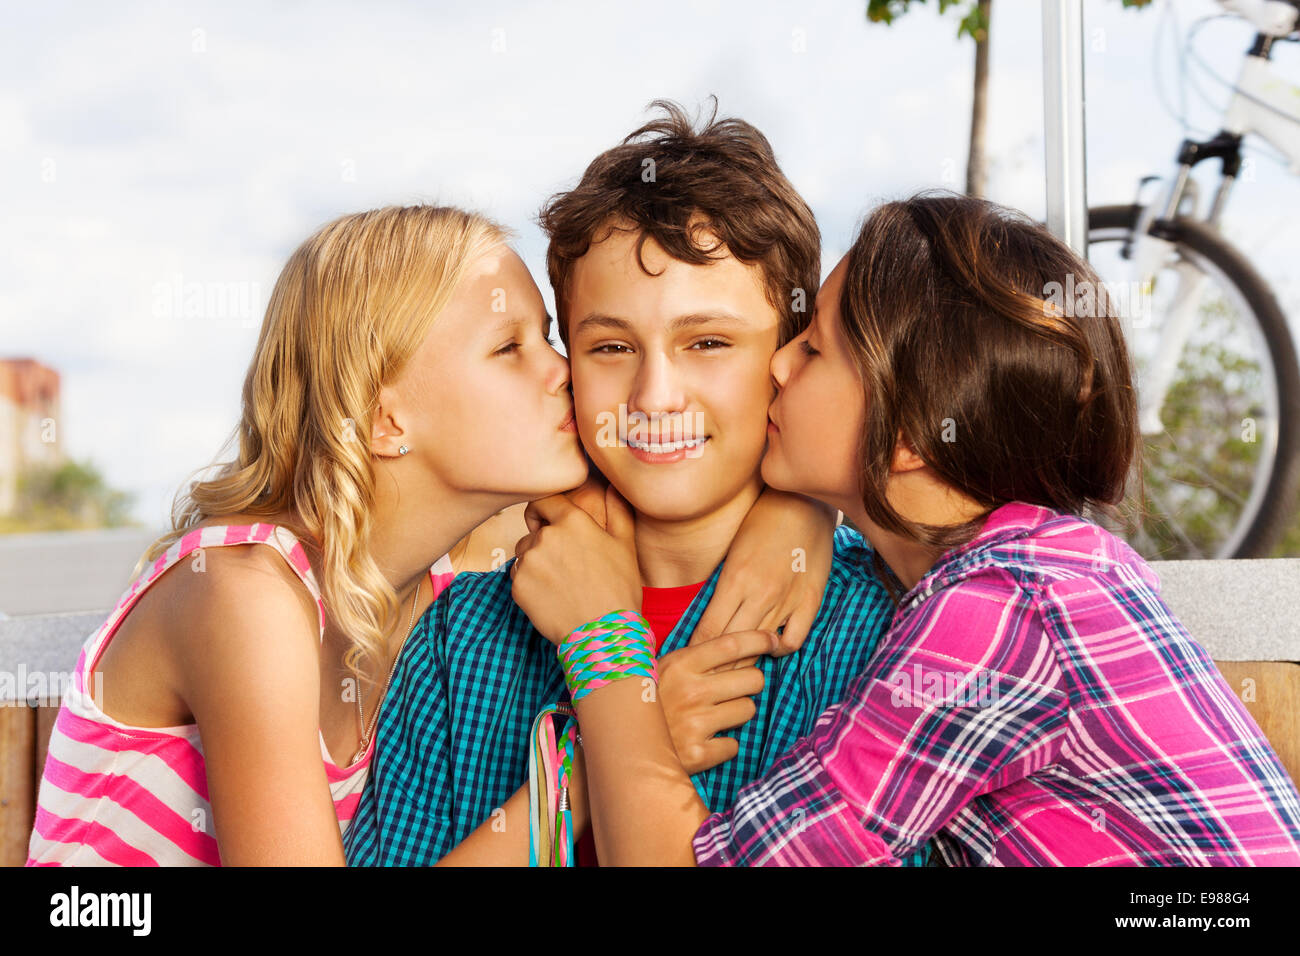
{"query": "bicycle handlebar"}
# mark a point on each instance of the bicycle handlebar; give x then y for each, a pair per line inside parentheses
(1274, 18)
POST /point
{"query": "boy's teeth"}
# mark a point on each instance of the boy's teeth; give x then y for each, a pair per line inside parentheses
(656, 448)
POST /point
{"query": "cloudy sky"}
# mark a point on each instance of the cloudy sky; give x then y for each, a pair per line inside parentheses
(146, 147)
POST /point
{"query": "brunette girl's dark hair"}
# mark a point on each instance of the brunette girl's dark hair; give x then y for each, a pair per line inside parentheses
(994, 351)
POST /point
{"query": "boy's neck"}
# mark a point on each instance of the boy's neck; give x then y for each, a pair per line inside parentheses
(675, 553)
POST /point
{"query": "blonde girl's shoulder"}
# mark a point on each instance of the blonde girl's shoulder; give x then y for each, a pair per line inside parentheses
(201, 607)
(235, 598)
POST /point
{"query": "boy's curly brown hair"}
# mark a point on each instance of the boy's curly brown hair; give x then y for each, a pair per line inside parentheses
(680, 186)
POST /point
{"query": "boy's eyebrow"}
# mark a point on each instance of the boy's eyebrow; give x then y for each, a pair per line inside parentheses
(600, 320)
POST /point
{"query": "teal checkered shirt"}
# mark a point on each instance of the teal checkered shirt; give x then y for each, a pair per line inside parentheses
(452, 740)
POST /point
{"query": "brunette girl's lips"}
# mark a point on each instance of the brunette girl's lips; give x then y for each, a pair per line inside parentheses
(568, 425)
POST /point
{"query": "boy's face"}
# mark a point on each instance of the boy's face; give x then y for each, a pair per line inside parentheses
(660, 361)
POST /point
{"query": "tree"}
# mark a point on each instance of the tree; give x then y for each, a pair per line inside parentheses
(974, 23)
(64, 497)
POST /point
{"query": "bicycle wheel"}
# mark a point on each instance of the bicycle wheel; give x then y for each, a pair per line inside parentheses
(1221, 453)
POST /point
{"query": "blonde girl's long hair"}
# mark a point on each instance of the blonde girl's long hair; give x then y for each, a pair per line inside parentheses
(351, 306)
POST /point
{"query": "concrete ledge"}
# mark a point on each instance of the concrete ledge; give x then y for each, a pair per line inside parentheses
(1244, 610)
(1239, 611)
(42, 649)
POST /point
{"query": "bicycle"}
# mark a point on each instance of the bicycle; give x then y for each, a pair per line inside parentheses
(1215, 362)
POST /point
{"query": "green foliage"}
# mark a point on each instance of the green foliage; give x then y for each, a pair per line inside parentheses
(66, 497)
(1290, 544)
(974, 23)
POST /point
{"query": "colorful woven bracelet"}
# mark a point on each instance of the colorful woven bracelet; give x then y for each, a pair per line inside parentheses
(550, 765)
(609, 648)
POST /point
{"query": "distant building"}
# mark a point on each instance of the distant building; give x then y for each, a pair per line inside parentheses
(29, 422)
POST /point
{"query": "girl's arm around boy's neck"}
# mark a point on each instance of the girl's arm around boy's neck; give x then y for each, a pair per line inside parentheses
(644, 809)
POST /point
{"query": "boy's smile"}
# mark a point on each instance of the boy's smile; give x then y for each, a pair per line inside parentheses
(664, 440)
(664, 452)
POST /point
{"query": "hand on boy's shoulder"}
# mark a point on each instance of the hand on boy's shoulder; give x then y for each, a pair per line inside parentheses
(708, 688)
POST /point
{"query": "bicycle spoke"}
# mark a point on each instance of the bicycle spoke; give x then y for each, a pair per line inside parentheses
(1210, 482)
(1167, 516)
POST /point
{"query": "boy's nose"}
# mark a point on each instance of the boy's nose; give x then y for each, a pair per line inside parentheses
(658, 389)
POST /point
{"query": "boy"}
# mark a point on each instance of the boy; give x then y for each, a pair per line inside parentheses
(681, 262)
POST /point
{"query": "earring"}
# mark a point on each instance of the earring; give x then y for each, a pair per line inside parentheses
(403, 450)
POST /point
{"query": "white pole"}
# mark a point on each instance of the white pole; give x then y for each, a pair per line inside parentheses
(1063, 119)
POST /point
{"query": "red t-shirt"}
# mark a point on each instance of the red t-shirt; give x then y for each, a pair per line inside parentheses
(662, 608)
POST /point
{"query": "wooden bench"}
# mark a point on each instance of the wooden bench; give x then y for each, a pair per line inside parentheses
(1245, 613)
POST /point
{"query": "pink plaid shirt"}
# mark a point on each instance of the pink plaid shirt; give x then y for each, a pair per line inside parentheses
(1034, 702)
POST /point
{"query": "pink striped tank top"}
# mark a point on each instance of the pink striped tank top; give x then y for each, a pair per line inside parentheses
(116, 795)
(441, 574)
